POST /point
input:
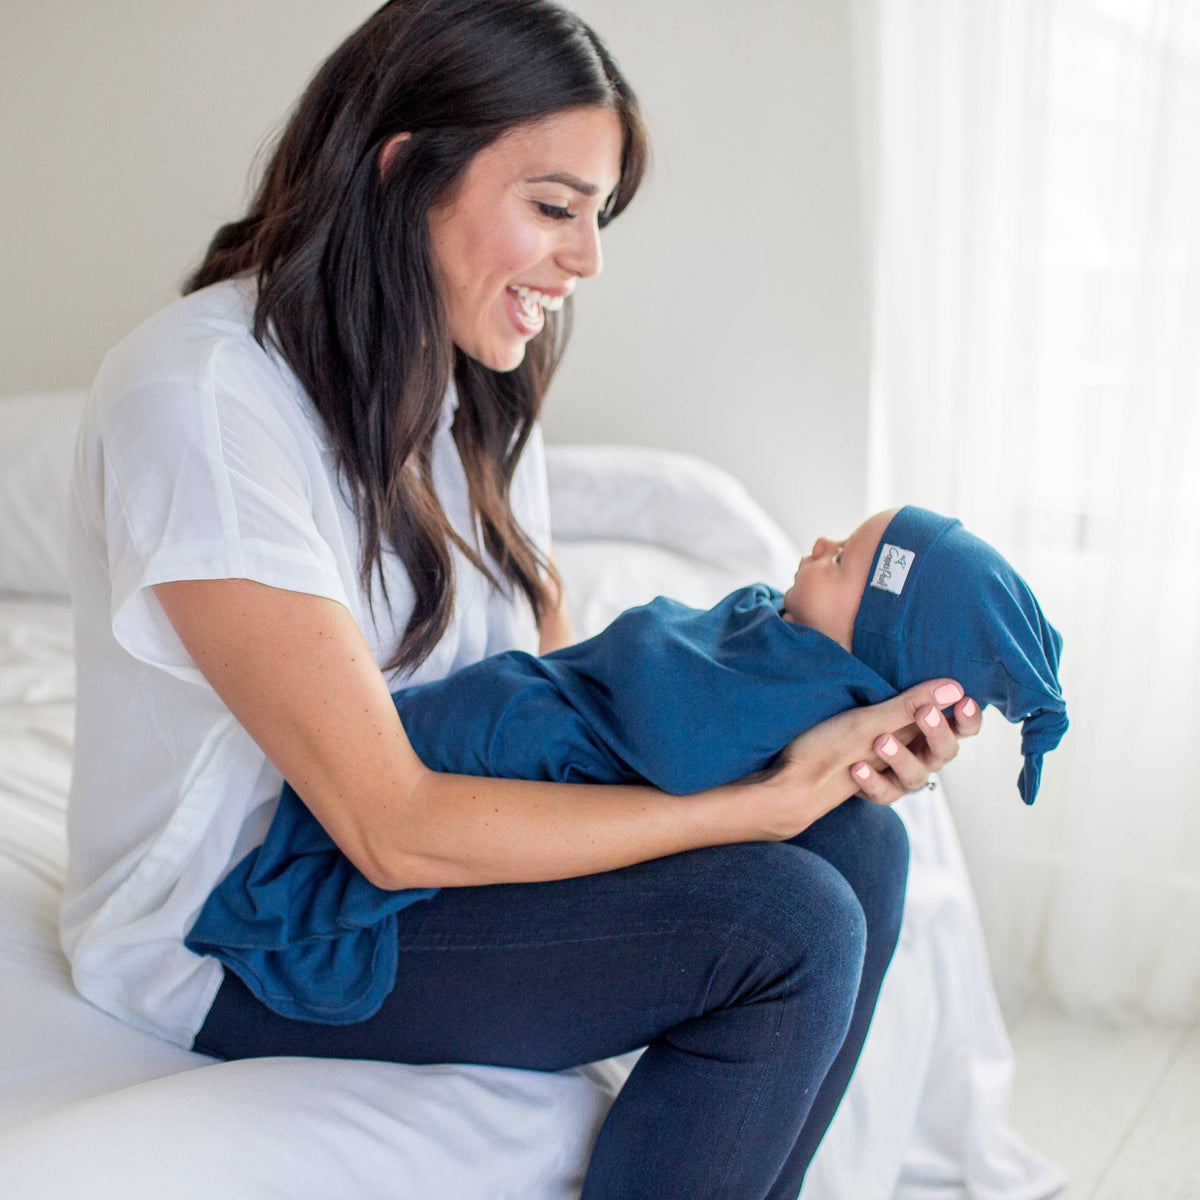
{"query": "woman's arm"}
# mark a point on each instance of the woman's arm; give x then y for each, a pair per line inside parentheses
(554, 629)
(295, 671)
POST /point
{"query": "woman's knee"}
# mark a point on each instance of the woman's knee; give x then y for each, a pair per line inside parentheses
(798, 911)
(885, 838)
(868, 845)
(889, 834)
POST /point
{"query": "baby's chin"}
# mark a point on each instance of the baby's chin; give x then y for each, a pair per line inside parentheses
(790, 610)
(794, 612)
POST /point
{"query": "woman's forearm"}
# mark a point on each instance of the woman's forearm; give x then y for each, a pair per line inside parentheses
(462, 830)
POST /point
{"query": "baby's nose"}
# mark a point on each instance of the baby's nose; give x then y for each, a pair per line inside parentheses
(821, 546)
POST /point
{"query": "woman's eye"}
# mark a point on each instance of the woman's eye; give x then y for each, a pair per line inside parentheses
(557, 213)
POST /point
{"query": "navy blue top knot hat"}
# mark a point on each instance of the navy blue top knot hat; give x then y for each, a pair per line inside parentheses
(939, 601)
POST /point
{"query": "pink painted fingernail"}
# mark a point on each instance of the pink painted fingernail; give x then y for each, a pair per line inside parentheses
(969, 708)
(932, 718)
(862, 771)
(947, 694)
(889, 747)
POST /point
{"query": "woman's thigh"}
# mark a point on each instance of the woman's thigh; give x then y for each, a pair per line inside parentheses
(553, 974)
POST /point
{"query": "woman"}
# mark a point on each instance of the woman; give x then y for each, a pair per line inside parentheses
(320, 473)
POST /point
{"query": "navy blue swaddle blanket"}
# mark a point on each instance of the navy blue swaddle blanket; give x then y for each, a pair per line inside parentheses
(681, 698)
(716, 694)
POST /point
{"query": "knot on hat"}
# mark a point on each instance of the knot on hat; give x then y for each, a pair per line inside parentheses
(1040, 733)
(940, 601)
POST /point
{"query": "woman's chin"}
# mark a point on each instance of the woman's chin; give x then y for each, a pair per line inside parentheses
(512, 362)
(499, 358)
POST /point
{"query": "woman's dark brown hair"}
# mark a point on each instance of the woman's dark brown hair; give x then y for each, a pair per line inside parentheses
(346, 286)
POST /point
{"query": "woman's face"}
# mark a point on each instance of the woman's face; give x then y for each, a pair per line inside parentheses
(522, 229)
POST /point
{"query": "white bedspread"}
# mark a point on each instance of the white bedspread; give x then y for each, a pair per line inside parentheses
(91, 1108)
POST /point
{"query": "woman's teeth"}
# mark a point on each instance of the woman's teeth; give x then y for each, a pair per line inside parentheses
(531, 299)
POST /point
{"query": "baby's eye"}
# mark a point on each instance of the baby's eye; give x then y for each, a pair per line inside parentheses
(557, 212)
(837, 558)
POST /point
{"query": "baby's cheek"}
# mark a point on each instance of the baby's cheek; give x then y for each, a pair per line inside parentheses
(850, 601)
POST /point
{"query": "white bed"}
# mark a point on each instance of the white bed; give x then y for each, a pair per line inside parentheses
(90, 1107)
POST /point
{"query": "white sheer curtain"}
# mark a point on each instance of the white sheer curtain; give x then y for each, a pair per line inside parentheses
(1032, 183)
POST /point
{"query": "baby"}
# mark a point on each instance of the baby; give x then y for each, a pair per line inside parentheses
(683, 698)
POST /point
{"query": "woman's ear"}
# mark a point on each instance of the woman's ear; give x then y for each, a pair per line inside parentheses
(388, 151)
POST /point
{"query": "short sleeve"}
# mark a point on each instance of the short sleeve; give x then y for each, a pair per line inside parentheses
(203, 482)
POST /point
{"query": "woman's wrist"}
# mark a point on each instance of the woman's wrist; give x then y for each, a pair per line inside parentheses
(767, 806)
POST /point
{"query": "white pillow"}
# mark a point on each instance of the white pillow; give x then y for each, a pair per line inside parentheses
(664, 498)
(603, 578)
(37, 450)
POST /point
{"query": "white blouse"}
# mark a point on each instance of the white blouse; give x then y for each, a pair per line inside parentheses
(200, 456)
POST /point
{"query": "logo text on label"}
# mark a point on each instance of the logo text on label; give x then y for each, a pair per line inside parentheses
(894, 565)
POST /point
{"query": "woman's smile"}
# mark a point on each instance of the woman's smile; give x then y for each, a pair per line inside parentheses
(527, 315)
(528, 305)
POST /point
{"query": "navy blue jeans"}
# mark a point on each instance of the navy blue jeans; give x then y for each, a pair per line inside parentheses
(749, 971)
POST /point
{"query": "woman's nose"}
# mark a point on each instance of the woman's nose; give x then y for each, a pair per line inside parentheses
(581, 255)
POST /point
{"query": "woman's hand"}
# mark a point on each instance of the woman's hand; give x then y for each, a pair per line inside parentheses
(881, 752)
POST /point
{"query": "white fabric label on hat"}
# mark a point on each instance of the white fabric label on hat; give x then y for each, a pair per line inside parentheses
(894, 565)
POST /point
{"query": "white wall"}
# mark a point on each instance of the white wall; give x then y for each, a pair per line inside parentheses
(731, 317)
(127, 130)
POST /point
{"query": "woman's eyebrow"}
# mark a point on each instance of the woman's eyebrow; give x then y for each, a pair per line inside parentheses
(567, 180)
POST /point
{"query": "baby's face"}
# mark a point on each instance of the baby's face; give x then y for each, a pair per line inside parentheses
(830, 581)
